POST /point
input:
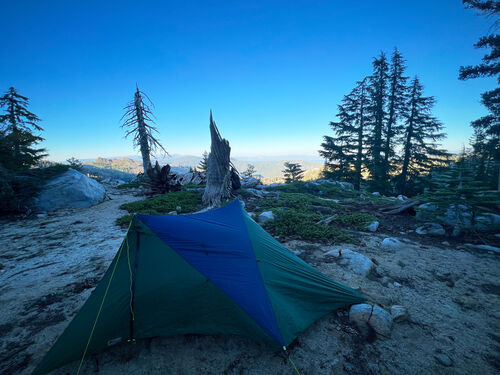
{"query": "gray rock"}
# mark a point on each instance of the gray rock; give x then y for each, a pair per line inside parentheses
(399, 313)
(257, 192)
(373, 226)
(428, 207)
(487, 222)
(431, 229)
(402, 197)
(391, 243)
(249, 182)
(185, 178)
(199, 178)
(381, 321)
(265, 217)
(72, 189)
(457, 215)
(396, 284)
(354, 261)
(375, 316)
(443, 359)
(376, 193)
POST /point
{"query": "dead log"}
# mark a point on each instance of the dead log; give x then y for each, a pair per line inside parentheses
(400, 208)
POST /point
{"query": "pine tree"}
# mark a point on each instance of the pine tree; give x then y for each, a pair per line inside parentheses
(395, 107)
(17, 127)
(293, 172)
(486, 140)
(138, 116)
(421, 151)
(203, 162)
(378, 98)
(344, 154)
(250, 171)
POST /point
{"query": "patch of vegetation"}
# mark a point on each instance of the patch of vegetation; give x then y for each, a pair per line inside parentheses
(300, 224)
(356, 220)
(298, 201)
(188, 201)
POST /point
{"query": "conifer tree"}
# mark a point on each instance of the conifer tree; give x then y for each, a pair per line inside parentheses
(138, 116)
(486, 139)
(344, 154)
(293, 172)
(203, 162)
(378, 98)
(421, 150)
(17, 127)
(395, 106)
(249, 172)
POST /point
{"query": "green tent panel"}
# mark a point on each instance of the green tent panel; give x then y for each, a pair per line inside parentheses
(216, 272)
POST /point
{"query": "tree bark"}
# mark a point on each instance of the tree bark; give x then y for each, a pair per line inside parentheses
(218, 187)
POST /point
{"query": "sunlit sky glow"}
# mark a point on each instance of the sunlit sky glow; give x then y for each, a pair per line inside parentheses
(272, 71)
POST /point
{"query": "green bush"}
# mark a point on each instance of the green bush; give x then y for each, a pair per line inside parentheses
(357, 220)
(188, 201)
(302, 225)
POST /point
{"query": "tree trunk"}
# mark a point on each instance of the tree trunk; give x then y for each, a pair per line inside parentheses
(407, 152)
(359, 156)
(143, 135)
(219, 185)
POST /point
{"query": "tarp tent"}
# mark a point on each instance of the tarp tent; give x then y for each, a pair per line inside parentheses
(216, 272)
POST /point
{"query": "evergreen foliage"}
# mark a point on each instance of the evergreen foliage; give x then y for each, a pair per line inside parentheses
(486, 138)
(345, 153)
(423, 131)
(74, 163)
(203, 163)
(377, 89)
(17, 128)
(250, 171)
(293, 172)
(457, 184)
(396, 108)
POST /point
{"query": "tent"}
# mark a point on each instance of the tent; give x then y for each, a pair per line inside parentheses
(215, 272)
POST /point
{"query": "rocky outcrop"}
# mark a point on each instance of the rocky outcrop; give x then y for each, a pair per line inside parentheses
(376, 317)
(72, 189)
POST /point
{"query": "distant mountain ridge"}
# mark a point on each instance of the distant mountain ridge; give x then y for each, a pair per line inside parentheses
(269, 169)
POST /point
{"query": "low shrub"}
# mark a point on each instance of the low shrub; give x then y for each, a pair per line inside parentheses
(188, 201)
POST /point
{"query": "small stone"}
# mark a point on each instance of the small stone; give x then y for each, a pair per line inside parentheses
(396, 284)
(445, 243)
(172, 213)
(443, 359)
(265, 217)
(372, 227)
(431, 229)
(399, 313)
(391, 243)
(376, 193)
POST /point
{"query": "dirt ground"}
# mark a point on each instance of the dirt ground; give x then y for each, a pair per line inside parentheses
(48, 267)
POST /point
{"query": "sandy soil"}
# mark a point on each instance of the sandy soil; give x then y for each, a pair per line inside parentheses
(50, 265)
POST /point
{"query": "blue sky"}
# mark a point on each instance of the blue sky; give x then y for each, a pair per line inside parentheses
(272, 71)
